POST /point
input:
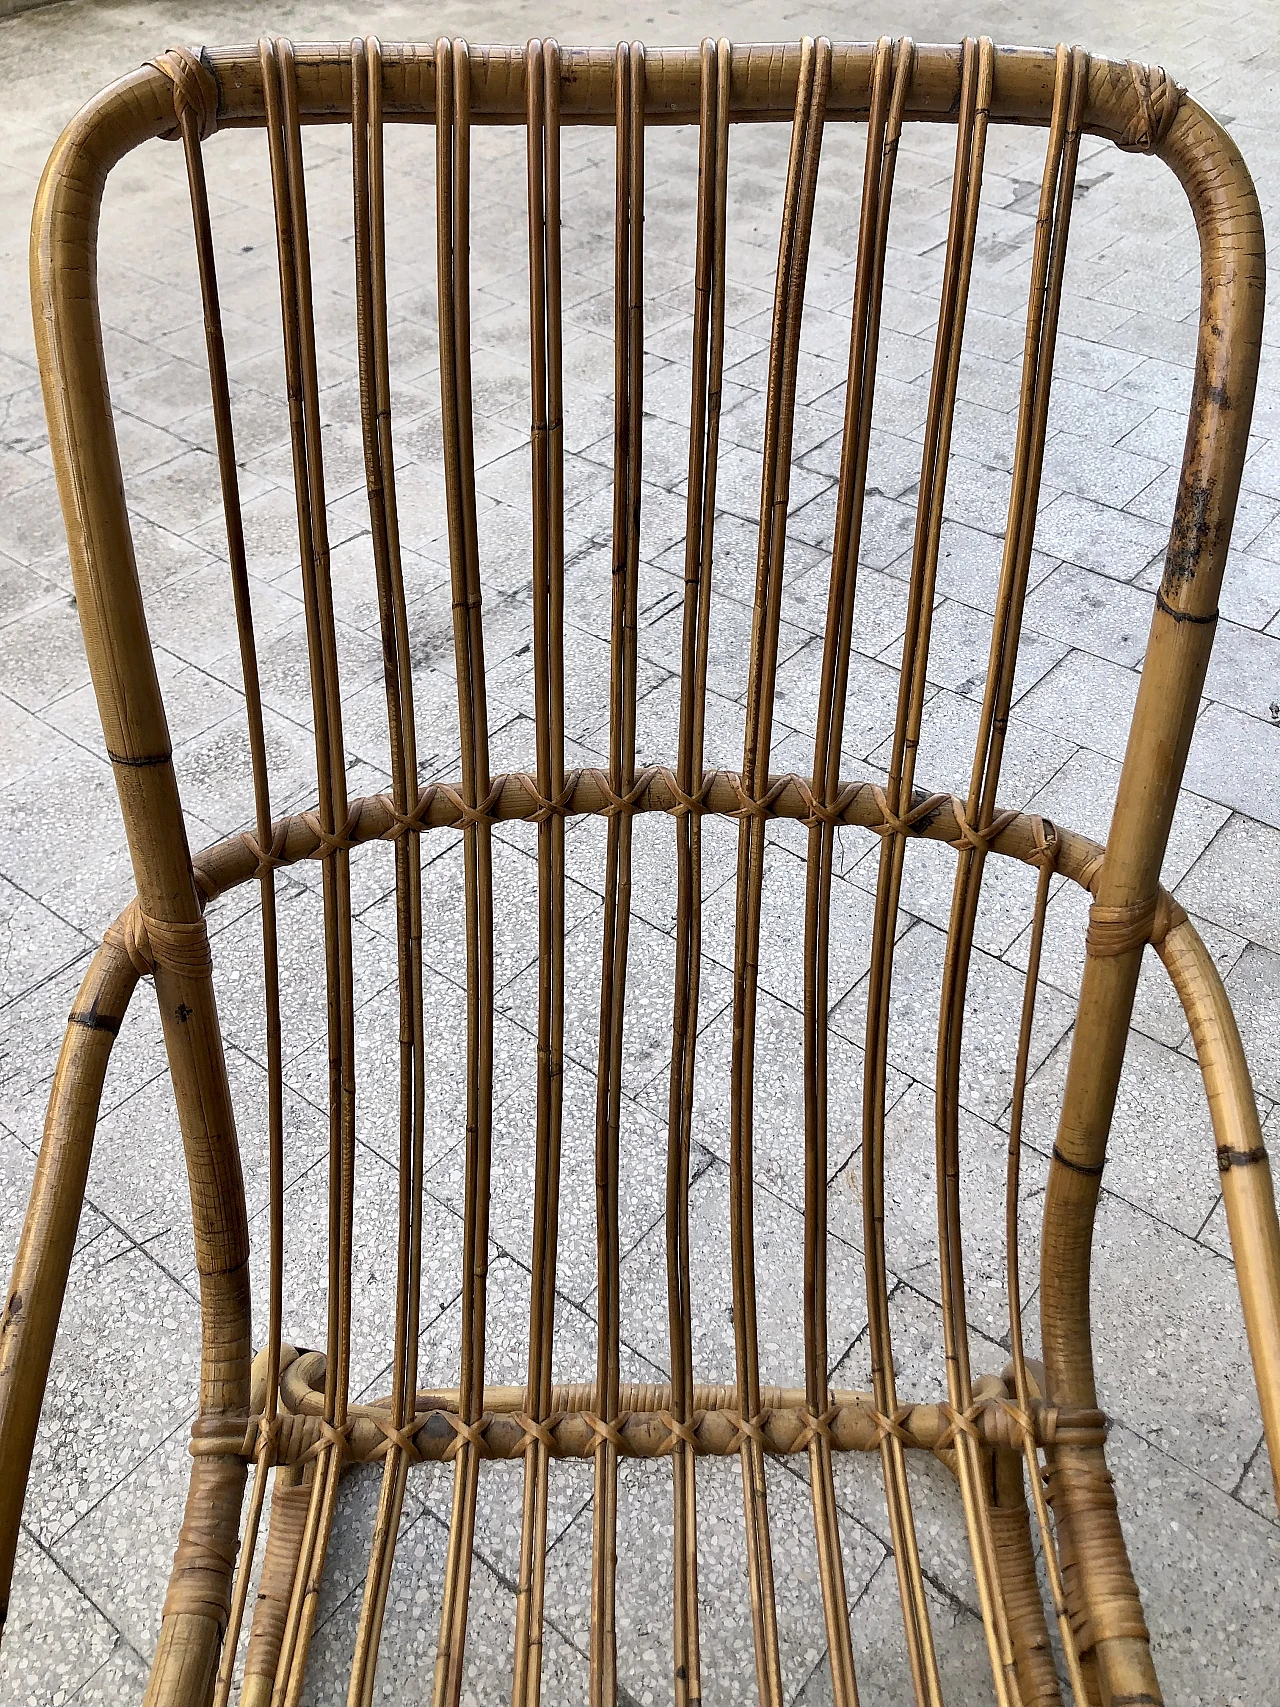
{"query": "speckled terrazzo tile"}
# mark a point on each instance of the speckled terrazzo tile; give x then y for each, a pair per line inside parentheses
(642, 1190)
(507, 1363)
(32, 938)
(33, 1031)
(1081, 797)
(1174, 1327)
(935, 1497)
(880, 1653)
(377, 1056)
(17, 1175)
(307, 1257)
(138, 1175)
(654, 875)
(1257, 1487)
(121, 1551)
(239, 983)
(1006, 898)
(122, 1678)
(779, 1118)
(649, 996)
(123, 1377)
(949, 729)
(1181, 1532)
(782, 928)
(645, 1579)
(1203, 1558)
(911, 1213)
(779, 1256)
(515, 912)
(71, 857)
(1253, 988)
(993, 1008)
(1157, 1009)
(1234, 880)
(411, 1628)
(55, 1638)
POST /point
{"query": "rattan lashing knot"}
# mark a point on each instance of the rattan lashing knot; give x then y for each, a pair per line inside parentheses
(747, 1429)
(402, 1438)
(756, 805)
(959, 1422)
(266, 1439)
(1022, 1425)
(483, 810)
(683, 805)
(975, 836)
(555, 805)
(624, 800)
(1119, 930)
(465, 1433)
(1158, 100)
(179, 947)
(535, 1433)
(268, 859)
(678, 1431)
(195, 90)
(1048, 844)
(605, 1433)
(341, 839)
(893, 1427)
(921, 809)
(819, 812)
(816, 1426)
(336, 1435)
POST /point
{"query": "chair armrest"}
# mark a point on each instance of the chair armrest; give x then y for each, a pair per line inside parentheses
(1247, 1190)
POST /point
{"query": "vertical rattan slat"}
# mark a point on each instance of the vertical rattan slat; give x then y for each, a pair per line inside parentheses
(888, 90)
(629, 122)
(1027, 1448)
(292, 229)
(797, 222)
(974, 96)
(542, 73)
(375, 408)
(453, 169)
(704, 443)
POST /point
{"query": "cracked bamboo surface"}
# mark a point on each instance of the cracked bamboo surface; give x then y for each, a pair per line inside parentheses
(1027, 1448)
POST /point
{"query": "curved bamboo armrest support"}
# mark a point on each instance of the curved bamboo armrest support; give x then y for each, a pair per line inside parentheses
(1247, 1190)
(33, 1303)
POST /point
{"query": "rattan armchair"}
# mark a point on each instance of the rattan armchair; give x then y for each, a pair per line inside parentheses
(1026, 1446)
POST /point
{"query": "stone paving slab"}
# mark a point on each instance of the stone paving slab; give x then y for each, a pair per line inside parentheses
(110, 1464)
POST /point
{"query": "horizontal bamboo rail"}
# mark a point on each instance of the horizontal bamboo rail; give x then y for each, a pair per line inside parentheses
(644, 1425)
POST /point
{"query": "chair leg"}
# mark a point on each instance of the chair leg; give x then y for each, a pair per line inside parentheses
(199, 1598)
(33, 1303)
(1019, 1584)
(1106, 1609)
(290, 1501)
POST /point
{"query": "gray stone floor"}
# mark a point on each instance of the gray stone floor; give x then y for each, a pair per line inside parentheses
(107, 1484)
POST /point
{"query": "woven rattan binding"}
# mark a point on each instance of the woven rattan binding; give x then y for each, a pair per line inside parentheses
(1033, 1433)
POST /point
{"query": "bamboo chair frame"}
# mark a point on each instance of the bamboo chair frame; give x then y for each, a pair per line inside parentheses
(290, 1414)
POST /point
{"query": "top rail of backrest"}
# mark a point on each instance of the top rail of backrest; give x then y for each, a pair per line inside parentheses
(764, 80)
(1135, 107)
